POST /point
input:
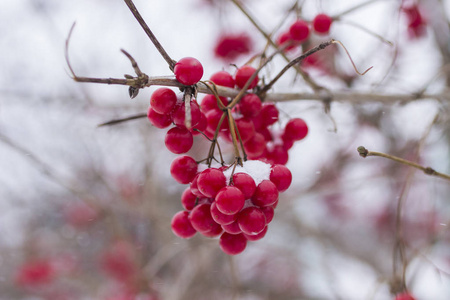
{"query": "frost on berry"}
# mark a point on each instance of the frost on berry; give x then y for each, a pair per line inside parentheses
(232, 244)
(181, 226)
(183, 169)
(188, 71)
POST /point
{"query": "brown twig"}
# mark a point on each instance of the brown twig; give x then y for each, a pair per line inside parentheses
(363, 152)
(121, 120)
(150, 34)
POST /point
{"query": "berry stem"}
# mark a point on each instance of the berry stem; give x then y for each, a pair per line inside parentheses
(233, 130)
(214, 142)
(150, 34)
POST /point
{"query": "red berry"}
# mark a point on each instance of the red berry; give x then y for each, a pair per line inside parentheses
(245, 184)
(194, 187)
(188, 71)
(201, 126)
(266, 193)
(35, 273)
(232, 244)
(232, 228)
(255, 237)
(269, 114)
(285, 38)
(243, 74)
(210, 181)
(163, 100)
(281, 177)
(158, 120)
(181, 226)
(299, 31)
(223, 78)
(202, 220)
(188, 199)
(212, 119)
(269, 212)
(230, 46)
(118, 261)
(183, 169)
(179, 114)
(278, 155)
(209, 102)
(256, 145)
(322, 23)
(250, 105)
(296, 129)
(179, 140)
(230, 200)
(246, 129)
(220, 217)
(251, 220)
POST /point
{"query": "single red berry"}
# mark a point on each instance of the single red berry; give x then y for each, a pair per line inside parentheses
(256, 145)
(251, 220)
(245, 184)
(232, 228)
(232, 244)
(299, 31)
(194, 187)
(179, 114)
(404, 296)
(188, 199)
(269, 212)
(118, 261)
(212, 119)
(258, 236)
(277, 155)
(35, 273)
(243, 74)
(223, 78)
(230, 46)
(322, 23)
(246, 129)
(250, 105)
(163, 100)
(220, 217)
(209, 102)
(179, 140)
(210, 181)
(183, 169)
(284, 39)
(202, 220)
(188, 71)
(281, 177)
(158, 120)
(269, 114)
(230, 200)
(296, 129)
(201, 126)
(266, 193)
(181, 226)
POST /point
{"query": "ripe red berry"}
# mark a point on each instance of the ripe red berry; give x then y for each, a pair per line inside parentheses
(179, 114)
(243, 74)
(210, 181)
(179, 140)
(202, 220)
(232, 228)
(183, 169)
(209, 102)
(296, 129)
(245, 184)
(188, 199)
(269, 114)
(220, 217)
(163, 100)
(230, 200)
(232, 244)
(246, 129)
(269, 212)
(277, 155)
(35, 273)
(223, 78)
(251, 220)
(322, 23)
(118, 261)
(230, 46)
(266, 193)
(250, 105)
(181, 226)
(404, 296)
(281, 177)
(201, 125)
(299, 31)
(188, 71)
(256, 145)
(256, 237)
(285, 38)
(158, 120)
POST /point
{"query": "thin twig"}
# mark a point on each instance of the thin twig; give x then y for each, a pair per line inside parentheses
(150, 34)
(121, 120)
(363, 152)
(352, 9)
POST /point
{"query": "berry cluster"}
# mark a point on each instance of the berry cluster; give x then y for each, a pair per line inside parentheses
(234, 201)
(299, 31)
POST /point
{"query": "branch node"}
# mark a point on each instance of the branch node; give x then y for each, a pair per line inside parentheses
(363, 152)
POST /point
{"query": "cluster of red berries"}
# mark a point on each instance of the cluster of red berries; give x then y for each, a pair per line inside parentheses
(299, 31)
(235, 202)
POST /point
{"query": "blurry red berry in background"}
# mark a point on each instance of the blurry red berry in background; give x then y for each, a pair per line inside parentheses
(230, 46)
(416, 22)
(35, 273)
(404, 296)
(322, 23)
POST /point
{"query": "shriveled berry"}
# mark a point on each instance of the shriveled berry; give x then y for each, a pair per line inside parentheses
(181, 226)
(232, 244)
(188, 71)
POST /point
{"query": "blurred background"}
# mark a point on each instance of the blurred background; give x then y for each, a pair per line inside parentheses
(85, 210)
